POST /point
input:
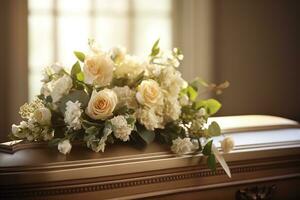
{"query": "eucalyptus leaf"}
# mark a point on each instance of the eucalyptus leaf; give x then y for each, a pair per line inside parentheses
(92, 130)
(147, 135)
(207, 148)
(214, 129)
(75, 95)
(79, 55)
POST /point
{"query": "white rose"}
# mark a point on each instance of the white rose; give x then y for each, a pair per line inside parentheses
(64, 147)
(227, 144)
(182, 146)
(122, 130)
(42, 116)
(72, 115)
(102, 104)
(61, 87)
(130, 68)
(149, 93)
(98, 69)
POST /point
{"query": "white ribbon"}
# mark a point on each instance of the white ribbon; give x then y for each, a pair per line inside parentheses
(221, 160)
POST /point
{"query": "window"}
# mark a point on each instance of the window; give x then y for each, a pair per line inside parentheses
(58, 27)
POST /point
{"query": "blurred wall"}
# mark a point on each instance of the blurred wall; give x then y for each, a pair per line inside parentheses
(256, 48)
(13, 66)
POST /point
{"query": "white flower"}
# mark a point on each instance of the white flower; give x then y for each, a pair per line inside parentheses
(45, 75)
(172, 109)
(98, 69)
(42, 116)
(182, 146)
(61, 87)
(121, 129)
(64, 147)
(102, 143)
(201, 112)
(130, 68)
(23, 124)
(118, 54)
(72, 115)
(149, 93)
(102, 104)
(172, 81)
(154, 70)
(150, 119)
(45, 90)
(126, 97)
(15, 129)
(56, 67)
(227, 144)
(184, 100)
(197, 124)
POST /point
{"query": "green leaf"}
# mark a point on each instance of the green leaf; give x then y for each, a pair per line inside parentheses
(147, 135)
(75, 95)
(211, 162)
(75, 69)
(211, 105)
(155, 49)
(79, 55)
(80, 76)
(130, 120)
(92, 130)
(192, 93)
(207, 148)
(214, 129)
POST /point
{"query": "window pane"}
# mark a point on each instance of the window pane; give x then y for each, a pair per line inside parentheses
(118, 6)
(74, 6)
(111, 31)
(148, 30)
(73, 34)
(40, 41)
(161, 6)
(40, 6)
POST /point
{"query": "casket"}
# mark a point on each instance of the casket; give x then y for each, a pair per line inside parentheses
(265, 164)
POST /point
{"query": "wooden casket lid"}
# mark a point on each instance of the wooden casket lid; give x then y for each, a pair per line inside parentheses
(260, 138)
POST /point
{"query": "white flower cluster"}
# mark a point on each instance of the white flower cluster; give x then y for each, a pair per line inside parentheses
(72, 115)
(121, 128)
(182, 146)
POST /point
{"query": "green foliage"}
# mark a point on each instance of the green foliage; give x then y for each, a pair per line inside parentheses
(75, 69)
(123, 110)
(211, 105)
(207, 148)
(92, 130)
(147, 135)
(214, 129)
(54, 142)
(80, 76)
(75, 95)
(80, 56)
(211, 162)
(155, 49)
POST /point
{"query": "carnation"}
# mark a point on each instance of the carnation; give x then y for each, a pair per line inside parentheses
(126, 97)
(149, 118)
(182, 146)
(172, 81)
(121, 129)
(172, 108)
(130, 68)
(72, 115)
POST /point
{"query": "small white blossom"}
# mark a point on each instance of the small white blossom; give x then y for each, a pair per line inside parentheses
(64, 147)
(150, 119)
(227, 144)
(121, 129)
(61, 87)
(56, 67)
(72, 115)
(42, 116)
(201, 112)
(182, 146)
(15, 129)
(118, 54)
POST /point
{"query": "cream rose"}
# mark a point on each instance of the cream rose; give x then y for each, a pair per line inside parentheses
(98, 69)
(102, 104)
(227, 144)
(42, 116)
(149, 93)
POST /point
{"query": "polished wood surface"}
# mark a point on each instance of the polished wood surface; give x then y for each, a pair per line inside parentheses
(123, 172)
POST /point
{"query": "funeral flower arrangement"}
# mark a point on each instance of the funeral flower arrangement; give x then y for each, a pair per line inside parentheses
(111, 96)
